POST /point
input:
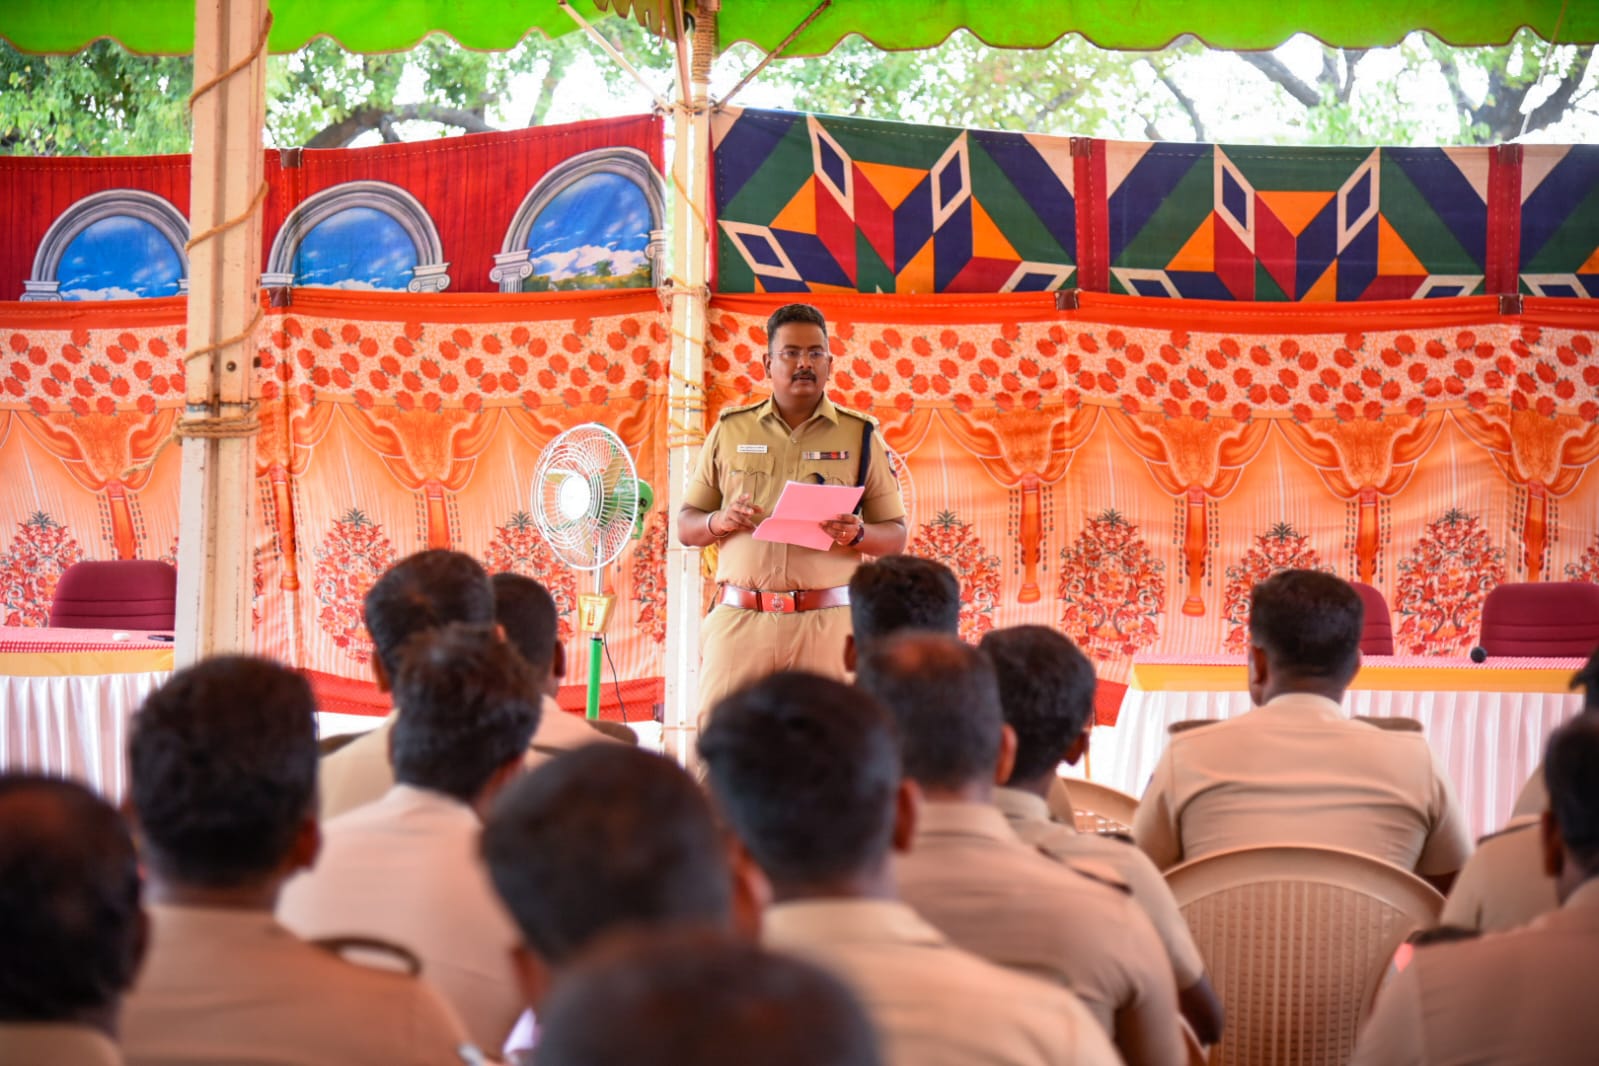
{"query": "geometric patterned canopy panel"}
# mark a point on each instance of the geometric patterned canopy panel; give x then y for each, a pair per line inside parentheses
(1229, 222)
(809, 203)
(1559, 220)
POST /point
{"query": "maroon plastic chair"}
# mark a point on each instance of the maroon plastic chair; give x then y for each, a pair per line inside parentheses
(1377, 638)
(116, 594)
(1541, 619)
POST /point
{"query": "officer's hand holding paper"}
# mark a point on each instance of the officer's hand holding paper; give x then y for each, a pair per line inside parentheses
(801, 510)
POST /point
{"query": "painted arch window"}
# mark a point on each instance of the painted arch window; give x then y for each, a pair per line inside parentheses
(359, 235)
(593, 222)
(120, 244)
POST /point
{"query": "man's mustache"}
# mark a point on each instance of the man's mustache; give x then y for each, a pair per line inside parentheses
(804, 375)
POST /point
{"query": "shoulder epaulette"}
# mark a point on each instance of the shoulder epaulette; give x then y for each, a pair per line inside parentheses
(344, 946)
(1099, 872)
(862, 415)
(727, 412)
(1515, 825)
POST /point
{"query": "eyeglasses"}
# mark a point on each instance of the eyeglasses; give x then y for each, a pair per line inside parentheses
(794, 355)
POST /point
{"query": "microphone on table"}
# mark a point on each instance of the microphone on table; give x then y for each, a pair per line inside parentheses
(1479, 654)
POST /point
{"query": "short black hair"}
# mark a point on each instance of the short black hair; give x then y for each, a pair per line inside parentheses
(70, 929)
(805, 770)
(222, 770)
(421, 592)
(468, 704)
(1309, 622)
(603, 838)
(945, 699)
(711, 1001)
(903, 592)
(1046, 693)
(788, 313)
(1587, 679)
(1571, 773)
(526, 611)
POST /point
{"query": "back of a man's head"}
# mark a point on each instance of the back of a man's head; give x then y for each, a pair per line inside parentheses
(702, 1000)
(1571, 772)
(222, 769)
(1309, 624)
(71, 931)
(421, 592)
(805, 770)
(526, 611)
(601, 839)
(945, 699)
(899, 593)
(1046, 692)
(468, 705)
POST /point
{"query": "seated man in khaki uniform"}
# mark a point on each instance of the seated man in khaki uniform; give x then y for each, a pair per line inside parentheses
(1523, 996)
(1295, 770)
(1503, 884)
(1533, 799)
(526, 613)
(969, 874)
(598, 840)
(420, 592)
(672, 999)
(222, 772)
(71, 929)
(1046, 691)
(406, 869)
(782, 606)
(806, 772)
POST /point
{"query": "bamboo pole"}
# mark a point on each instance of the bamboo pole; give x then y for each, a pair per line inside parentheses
(690, 294)
(218, 426)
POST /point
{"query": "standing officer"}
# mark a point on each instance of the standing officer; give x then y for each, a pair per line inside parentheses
(780, 606)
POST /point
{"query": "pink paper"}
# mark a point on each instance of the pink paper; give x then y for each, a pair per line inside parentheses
(802, 508)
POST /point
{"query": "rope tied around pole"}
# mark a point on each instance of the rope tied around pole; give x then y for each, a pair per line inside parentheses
(243, 425)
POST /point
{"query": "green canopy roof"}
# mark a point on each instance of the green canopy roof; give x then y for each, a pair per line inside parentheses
(167, 26)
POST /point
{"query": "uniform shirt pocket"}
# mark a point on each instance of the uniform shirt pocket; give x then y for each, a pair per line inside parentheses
(752, 474)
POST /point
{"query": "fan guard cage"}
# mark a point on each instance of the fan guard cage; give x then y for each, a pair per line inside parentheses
(585, 496)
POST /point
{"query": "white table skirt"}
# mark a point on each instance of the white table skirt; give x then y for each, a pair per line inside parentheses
(1489, 742)
(75, 726)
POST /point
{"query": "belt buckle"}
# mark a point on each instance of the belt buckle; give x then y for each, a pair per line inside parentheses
(778, 602)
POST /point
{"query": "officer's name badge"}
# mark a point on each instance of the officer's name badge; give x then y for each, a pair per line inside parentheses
(811, 456)
(752, 449)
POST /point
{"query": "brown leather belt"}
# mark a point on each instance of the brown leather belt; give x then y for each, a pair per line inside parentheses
(784, 602)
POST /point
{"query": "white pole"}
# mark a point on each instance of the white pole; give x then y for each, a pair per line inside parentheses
(691, 161)
(218, 427)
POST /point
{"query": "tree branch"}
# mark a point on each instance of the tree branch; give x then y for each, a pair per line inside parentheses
(1054, 104)
(362, 119)
(1184, 101)
(1553, 109)
(1278, 72)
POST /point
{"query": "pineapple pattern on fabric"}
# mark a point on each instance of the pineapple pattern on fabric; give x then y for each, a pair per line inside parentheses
(42, 549)
(351, 558)
(1442, 584)
(1281, 547)
(1112, 589)
(948, 540)
(517, 548)
(649, 579)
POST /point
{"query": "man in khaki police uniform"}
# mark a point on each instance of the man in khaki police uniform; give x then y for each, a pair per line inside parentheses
(405, 869)
(1504, 884)
(1533, 798)
(807, 774)
(1295, 769)
(222, 771)
(975, 881)
(1523, 996)
(71, 926)
(420, 592)
(1046, 691)
(780, 606)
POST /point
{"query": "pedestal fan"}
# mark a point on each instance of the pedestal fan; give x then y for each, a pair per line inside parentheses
(588, 502)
